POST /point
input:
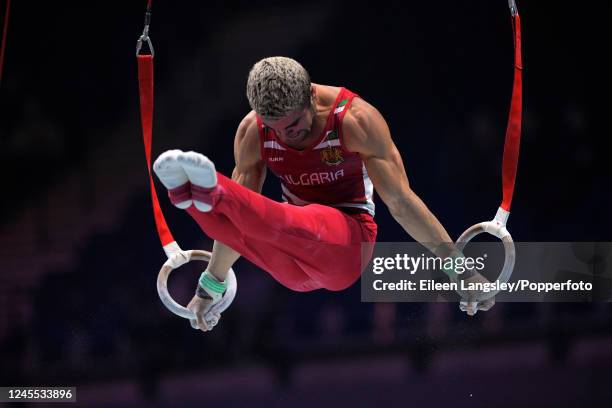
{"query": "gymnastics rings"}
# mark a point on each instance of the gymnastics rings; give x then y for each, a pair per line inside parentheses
(497, 228)
(178, 258)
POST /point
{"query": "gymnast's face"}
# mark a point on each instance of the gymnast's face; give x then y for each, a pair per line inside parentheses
(294, 128)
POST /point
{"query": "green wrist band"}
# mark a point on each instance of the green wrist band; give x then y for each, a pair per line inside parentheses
(209, 282)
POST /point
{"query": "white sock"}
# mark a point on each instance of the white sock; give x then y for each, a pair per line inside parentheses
(170, 172)
(200, 171)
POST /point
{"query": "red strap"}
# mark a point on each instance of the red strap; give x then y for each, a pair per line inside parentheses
(4, 34)
(513, 131)
(145, 82)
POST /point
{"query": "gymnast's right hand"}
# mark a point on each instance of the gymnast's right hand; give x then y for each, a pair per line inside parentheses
(209, 292)
(205, 319)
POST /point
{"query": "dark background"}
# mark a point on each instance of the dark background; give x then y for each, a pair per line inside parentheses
(78, 304)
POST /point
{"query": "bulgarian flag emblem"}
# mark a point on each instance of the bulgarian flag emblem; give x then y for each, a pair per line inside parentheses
(341, 106)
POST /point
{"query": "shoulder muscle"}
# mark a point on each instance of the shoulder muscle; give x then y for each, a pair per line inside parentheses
(365, 130)
(246, 143)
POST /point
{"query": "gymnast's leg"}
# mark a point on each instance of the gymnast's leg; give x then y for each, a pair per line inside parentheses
(314, 246)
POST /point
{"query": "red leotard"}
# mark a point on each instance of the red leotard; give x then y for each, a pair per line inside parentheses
(313, 239)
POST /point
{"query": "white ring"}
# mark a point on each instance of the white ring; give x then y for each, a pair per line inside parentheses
(178, 260)
(498, 230)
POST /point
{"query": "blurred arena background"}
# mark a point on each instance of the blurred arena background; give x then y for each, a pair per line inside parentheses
(78, 304)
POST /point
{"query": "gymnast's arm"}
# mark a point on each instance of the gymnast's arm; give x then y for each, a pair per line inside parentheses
(250, 171)
(366, 132)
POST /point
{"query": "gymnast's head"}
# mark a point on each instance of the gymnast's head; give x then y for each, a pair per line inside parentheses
(280, 92)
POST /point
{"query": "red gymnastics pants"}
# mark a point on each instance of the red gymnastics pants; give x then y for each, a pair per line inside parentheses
(303, 248)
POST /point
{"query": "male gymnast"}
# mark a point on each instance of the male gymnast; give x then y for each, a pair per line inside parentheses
(330, 149)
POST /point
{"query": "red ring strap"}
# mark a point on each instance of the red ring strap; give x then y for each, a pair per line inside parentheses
(145, 86)
(4, 35)
(513, 131)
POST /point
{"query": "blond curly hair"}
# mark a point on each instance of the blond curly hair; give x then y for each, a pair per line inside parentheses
(277, 86)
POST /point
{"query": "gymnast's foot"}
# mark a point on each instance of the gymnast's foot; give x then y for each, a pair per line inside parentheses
(202, 176)
(189, 178)
(170, 172)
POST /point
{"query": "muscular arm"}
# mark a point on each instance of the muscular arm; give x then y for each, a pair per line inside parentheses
(250, 171)
(366, 132)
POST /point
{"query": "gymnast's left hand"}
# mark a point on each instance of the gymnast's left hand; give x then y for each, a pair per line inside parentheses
(468, 303)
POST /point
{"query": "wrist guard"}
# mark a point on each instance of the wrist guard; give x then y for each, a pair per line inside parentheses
(210, 287)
